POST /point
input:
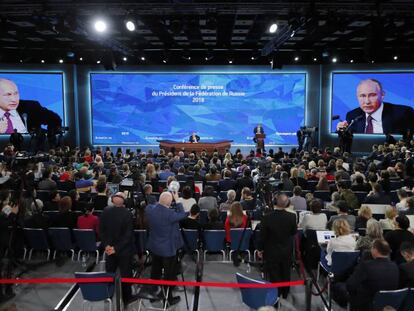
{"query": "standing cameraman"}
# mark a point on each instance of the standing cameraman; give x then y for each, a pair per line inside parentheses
(165, 238)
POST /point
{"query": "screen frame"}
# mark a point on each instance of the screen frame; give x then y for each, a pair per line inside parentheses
(199, 72)
(37, 72)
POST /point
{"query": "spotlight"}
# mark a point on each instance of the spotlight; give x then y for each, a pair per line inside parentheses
(21, 60)
(395, 57)
(125, 59)
(143, 58)
(98, 61)
(273, 28)
(230, 61)
(253, 58)
(315, 59)
(42, 61)
(61, 61)
(81, 58)
(164, 61)
(351, 61)
(296, 58)
(334, 60)
(372, 61)
(130, 25)
(100, 25)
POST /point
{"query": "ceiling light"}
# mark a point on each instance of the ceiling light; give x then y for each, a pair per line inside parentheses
(334, 60)
(164, 61)
(315, 59)
(230, 61)
(21, 60)
(372, 61)
(98, 61)
(143, 58)
(61, 61)
(125, 59)
(296, 58)
(130, 25)
(395, 57)
(100, 26)
(351, 61)
(253, 58)
(42, 61)
(273, 28)
(81, 58)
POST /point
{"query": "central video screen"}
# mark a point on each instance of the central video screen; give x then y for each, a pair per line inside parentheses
(373, 102)
(139, 109)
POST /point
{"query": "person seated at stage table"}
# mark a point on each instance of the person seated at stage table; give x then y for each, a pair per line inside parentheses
(194, 138)
(227, 182)
(248, 202)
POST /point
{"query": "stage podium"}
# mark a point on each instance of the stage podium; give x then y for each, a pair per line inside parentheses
(259, 138)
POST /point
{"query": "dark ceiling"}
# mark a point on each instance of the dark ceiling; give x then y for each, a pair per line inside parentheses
(207, 32)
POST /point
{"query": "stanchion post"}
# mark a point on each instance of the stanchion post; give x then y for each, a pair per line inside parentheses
(308, 293)
(118, 291)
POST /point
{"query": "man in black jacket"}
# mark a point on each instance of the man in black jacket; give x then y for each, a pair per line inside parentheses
(407, 268)
(276, 242)
(371, 276)
(117, 238)
(23, 115)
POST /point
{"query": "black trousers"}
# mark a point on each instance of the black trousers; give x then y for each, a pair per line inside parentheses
(169, 264)
(124, 263)
(278, 271)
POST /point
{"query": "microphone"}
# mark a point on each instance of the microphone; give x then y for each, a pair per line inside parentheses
(24, 117)
(335, 117)
(354, 120)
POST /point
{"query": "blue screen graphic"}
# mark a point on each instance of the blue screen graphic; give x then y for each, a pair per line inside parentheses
(46, 88)
(398, 88)
(139, 109)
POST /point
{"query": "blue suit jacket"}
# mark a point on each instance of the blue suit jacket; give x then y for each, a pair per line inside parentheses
(164, 230)
(395, 119)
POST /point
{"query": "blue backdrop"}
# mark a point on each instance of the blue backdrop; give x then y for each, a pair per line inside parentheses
(46, 88)
(131, 108)
(398, 88)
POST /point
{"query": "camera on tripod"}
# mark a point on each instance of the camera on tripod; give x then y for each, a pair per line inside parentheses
(309, 130)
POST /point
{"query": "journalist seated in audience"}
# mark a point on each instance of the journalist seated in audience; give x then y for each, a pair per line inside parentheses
(231, 197)
(407, 268)
(402, 196)
(53, 203)
(227, 182)
(342, 214)
(388, 223)
(248, 202)
(371, 276)
(47, 183)
(360, 184)
(398, 236)
(364, 243)
(377, 195)
(235, 219)
(88, 220)
(37, 219)
(364, 217)
(298, 202)
(208, 200)
(192, 220)
(187, 199)
(65, 218)
(343, 242)
(410, 207)
(214, 223)
(316, 220)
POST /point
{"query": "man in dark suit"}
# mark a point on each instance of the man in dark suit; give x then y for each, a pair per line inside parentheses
(117, 238)
(278, 229)
(377, 196)
(165, 238)
(227, 183)
(375, 116)
(23, 115)
(407, 268)
(194, 138)
(371, 276)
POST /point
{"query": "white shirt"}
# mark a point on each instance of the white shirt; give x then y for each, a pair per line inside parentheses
(343, 243)
(17, 121)
(376, 120)
(187, 203)
(314, 221)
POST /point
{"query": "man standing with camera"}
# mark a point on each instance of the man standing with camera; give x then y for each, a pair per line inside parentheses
(165, 238)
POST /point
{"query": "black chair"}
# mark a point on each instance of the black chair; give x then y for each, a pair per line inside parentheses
(36, 240)
(61, 239)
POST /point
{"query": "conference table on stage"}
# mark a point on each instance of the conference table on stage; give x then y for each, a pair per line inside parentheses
(221, 146)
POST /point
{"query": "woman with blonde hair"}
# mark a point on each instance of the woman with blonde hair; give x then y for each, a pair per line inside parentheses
(389, 222)
(343, 242)
(235, 219)
(374, 231)
(364, 217)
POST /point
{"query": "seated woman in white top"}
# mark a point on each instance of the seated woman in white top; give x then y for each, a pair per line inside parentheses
(316, 220)
(389, 222)
(344, 241)
(187, 199)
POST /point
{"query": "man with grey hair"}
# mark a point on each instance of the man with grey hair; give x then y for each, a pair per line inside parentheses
(165, 238)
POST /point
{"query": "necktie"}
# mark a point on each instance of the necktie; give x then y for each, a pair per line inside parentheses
(370, 127)
(9, 123)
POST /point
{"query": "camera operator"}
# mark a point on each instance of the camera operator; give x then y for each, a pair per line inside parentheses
(345, 136)
(300, 134)
(165, 238)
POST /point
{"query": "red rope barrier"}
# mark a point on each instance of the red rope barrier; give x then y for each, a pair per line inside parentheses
(149, 281)
(213, 284)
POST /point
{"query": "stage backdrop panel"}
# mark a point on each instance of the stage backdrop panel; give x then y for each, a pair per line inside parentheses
(398, 88)
(139, 109)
